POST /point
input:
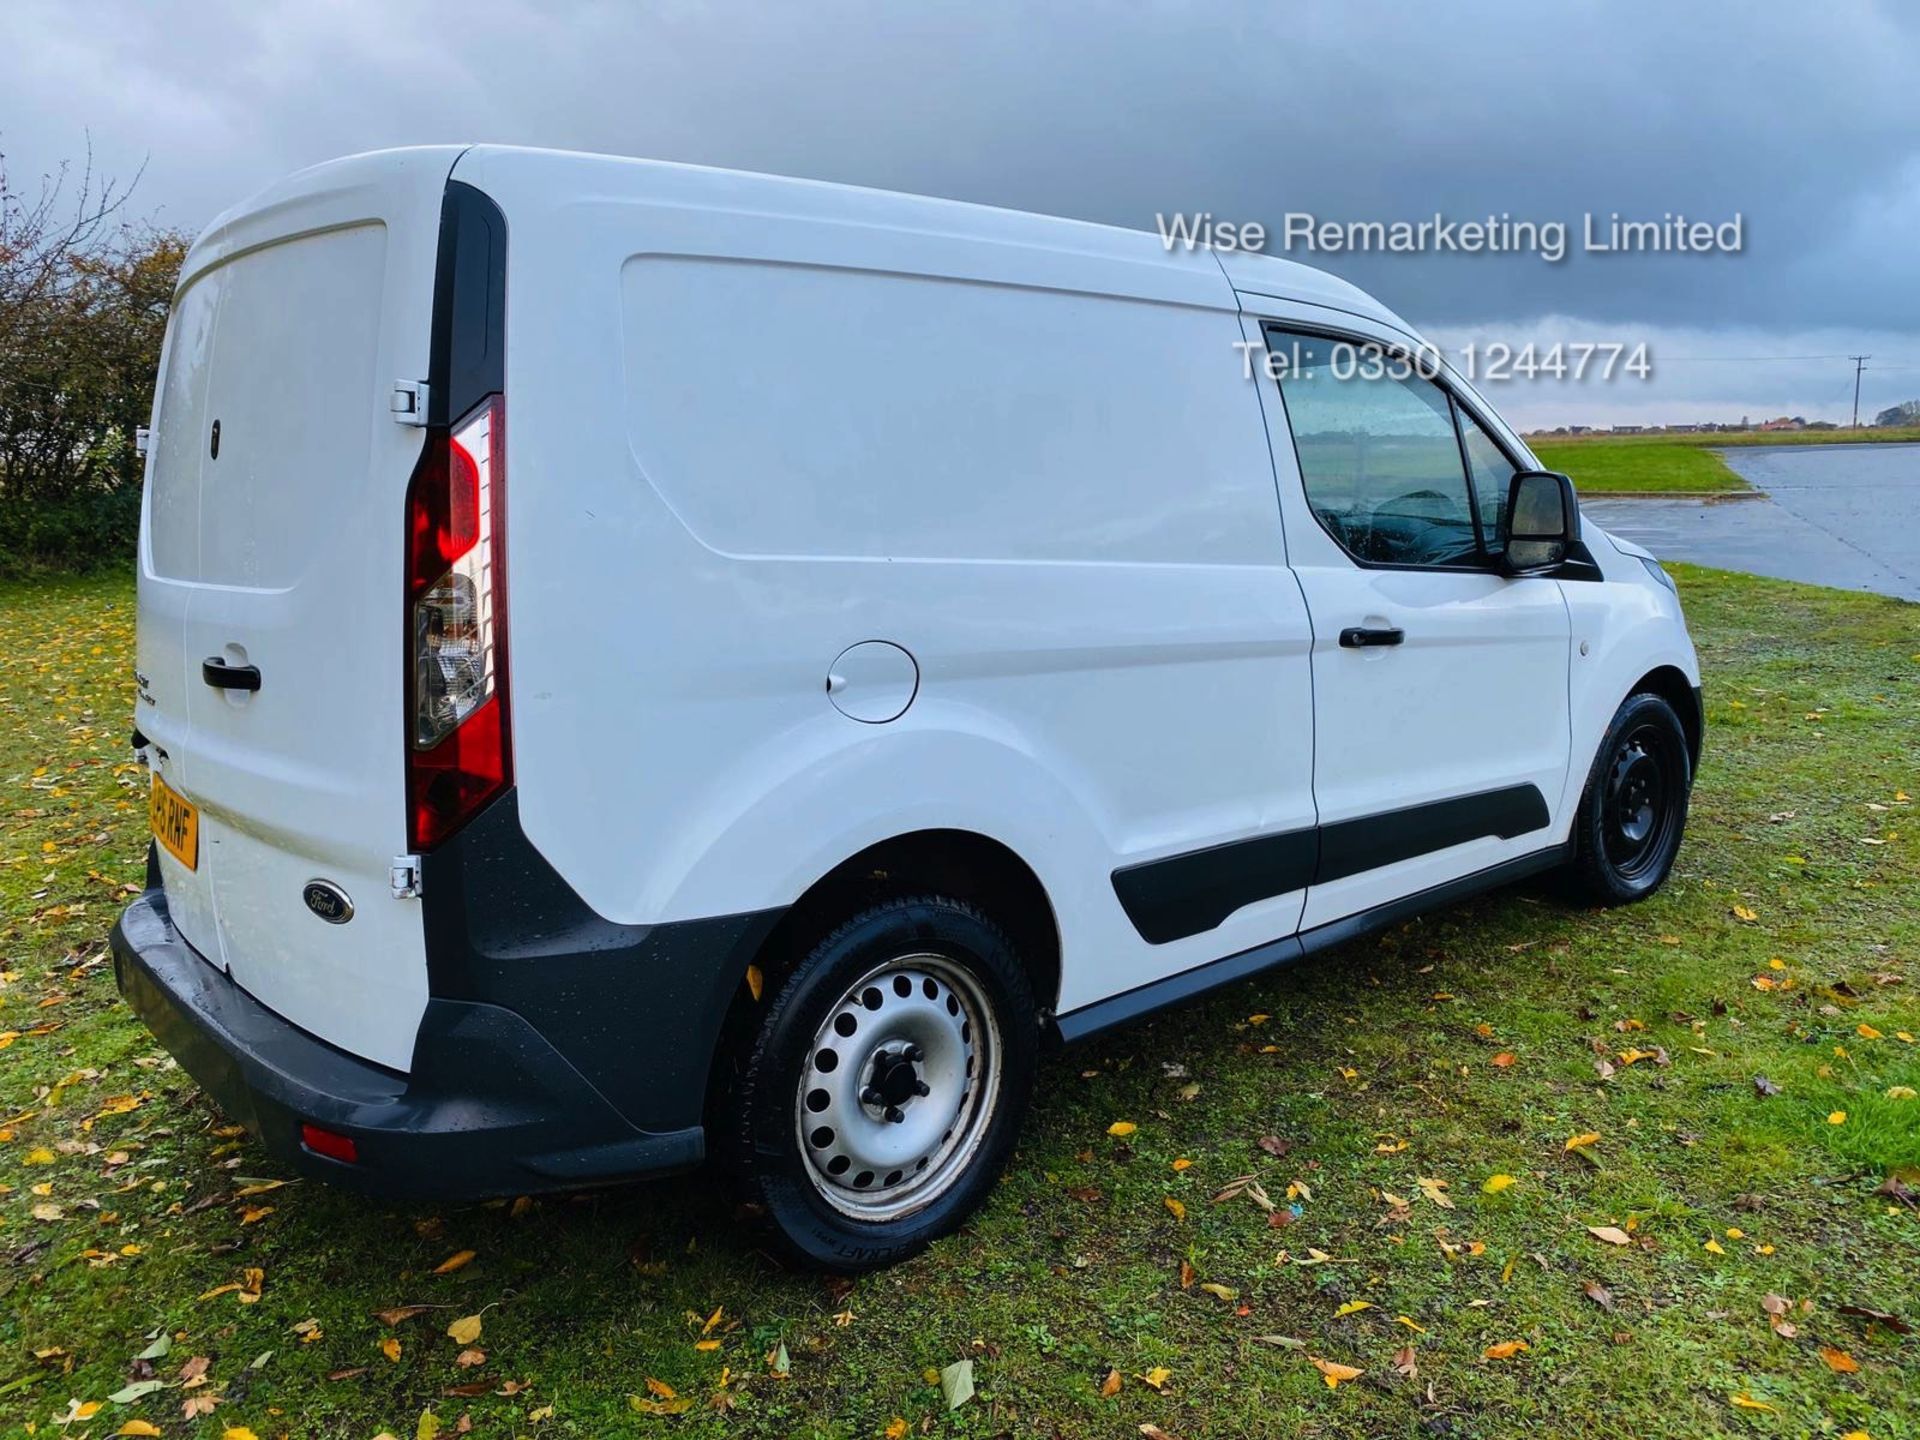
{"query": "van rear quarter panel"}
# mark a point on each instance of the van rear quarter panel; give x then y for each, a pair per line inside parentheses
(752, 422)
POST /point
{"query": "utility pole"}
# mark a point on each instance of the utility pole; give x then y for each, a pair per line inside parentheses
(1859, 364)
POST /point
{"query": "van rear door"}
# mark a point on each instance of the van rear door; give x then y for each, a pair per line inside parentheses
(275, 553)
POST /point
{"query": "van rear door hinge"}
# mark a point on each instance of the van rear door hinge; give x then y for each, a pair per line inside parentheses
(405, 874)
(408, 402)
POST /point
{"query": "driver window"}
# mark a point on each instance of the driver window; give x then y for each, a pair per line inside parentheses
(1379, 455)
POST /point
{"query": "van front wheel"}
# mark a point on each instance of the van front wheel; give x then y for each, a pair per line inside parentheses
(1634, 808)
(885, 1083)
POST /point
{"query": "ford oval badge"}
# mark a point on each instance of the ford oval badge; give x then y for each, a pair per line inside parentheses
(328, 901)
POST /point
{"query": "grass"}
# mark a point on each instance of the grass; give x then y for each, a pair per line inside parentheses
(1785, 947)
(1720, 439)
(1625, 467)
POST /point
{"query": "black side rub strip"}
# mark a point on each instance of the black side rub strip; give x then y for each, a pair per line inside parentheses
(1352, 846)
(1124, 1009)
(1187, 894)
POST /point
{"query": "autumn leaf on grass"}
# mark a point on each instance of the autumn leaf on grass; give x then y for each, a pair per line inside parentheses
(1580, 1142)
(1179, 1210)
(1122, 1128)
(1505, 1350)
(1612, 1234)
(1156, 1378)
(138, 1427)
(456, 1261)
(1109, 1388)
(1504, 1059)
(390, 1348)
(1741, 912)
(1334, 1372)
(1745, 1401)
(956, 1383)
(395, 1314)
(1352, 1307)
(1435, 1190)
(1403, 1362)
(465, 1330)
(1220, 1292)
(1496, 1183)
(1839, 1361)
(896, 1428)
(1598, 1293)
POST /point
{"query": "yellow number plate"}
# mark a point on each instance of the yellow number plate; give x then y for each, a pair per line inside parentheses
(175, 821)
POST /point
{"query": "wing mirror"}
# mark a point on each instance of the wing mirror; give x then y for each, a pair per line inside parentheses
(1542, 522)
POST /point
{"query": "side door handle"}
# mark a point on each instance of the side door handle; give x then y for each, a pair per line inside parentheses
(222, 676)
(1357, 637)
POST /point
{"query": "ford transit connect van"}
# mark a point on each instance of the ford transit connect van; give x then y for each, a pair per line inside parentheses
(642, 664)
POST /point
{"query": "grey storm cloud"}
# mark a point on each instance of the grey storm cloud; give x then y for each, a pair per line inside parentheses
(1804, 120)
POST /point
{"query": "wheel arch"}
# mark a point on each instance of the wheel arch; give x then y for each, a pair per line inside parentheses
(1671, 684)
(959, 864)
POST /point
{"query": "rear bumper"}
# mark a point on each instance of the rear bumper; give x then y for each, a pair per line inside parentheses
(490, 1107)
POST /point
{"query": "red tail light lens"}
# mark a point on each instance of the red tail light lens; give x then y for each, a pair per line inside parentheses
(458, 755)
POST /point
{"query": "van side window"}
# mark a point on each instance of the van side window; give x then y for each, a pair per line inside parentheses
(1492, 475)
(1379, 455)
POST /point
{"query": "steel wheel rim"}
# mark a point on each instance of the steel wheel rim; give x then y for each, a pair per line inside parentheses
(1640, 801)
(884, 1133)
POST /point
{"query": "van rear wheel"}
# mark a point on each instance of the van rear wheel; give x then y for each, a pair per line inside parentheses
(1634, 808)
(885, 1083)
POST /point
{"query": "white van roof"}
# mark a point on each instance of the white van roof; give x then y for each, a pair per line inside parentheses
(283, 207)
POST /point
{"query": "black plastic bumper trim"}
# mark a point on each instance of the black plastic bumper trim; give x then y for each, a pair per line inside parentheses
(490, 1108)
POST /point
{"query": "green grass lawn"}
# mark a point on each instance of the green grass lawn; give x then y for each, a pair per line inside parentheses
(1378, 1095)
(1626, 466)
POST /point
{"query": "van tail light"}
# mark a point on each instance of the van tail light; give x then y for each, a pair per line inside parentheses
(458, 756)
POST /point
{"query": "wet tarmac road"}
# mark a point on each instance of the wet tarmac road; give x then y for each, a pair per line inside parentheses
(1840, 515)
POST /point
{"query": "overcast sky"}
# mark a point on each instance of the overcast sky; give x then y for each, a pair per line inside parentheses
(1804, 119)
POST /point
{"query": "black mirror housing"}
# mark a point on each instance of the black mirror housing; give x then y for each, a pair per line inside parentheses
(1542, 522)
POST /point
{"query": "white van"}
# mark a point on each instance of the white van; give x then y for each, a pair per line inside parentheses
(641, 662)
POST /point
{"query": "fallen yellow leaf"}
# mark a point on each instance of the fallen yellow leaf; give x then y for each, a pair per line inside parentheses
(1506, 1349)
(138, 1427)
(1867, 1032)
(39, 1155)
(1179, 1210)
(390, 1347)
(1334, 1372)
(1157, 1377)
(1353, 1307)
(1504, 1059)
(756, 982)
(1109, 1388)
(1839, 1361)
(897, 1428)
(1580, 1142)
(1496, 1183)
(1747, 1402)
(1612, 1234)
(458, 1260)
(1122, 1128)
(1741, 912)
(1838, 1117)
(1183, 1164)
(1715, 1247)
(465, 1330)
(238, 1432)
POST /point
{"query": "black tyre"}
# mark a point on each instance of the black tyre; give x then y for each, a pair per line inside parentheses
(1634, 808)
(883, 1084)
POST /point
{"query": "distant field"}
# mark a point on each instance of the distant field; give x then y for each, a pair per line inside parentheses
(1714, 439)
(1628, 465)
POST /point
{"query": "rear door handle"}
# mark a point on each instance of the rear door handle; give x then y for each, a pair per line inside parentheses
(222, 676)
(1356, 637)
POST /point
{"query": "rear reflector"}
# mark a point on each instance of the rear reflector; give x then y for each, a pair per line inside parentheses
(325, 1142)
(457, 754)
